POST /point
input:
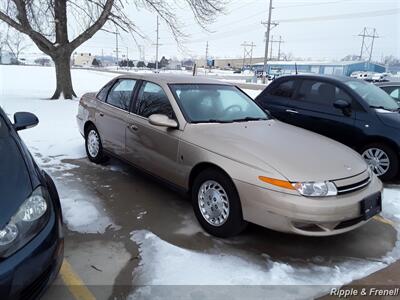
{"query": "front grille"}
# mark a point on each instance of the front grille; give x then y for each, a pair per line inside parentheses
(348, 186)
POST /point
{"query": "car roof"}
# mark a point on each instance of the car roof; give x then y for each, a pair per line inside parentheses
(318, 76)
(166, 78)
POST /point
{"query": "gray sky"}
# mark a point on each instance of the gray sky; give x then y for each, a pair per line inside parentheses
(331, 35)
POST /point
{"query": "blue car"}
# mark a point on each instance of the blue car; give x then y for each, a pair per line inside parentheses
(31, 238)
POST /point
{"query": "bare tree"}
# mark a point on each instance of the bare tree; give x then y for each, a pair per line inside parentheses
(46, 22)
(16, 43)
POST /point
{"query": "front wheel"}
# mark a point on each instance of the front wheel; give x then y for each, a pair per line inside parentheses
(94, 148)
(216, 204)
(383, 161)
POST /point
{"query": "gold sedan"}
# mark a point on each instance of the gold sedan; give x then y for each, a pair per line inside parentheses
(239, 165)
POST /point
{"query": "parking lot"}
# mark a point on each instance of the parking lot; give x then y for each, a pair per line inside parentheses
(128, 236)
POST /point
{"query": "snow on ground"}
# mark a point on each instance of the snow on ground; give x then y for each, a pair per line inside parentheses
(164, 264)
(56, 137)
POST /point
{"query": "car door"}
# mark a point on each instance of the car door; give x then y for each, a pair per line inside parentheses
(276, 98)
(314, 110)
(111, 115)
(153, 148)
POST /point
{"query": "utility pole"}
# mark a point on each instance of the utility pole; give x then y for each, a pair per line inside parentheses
(279, 47)
(368, 34)
(247, 53)
(206, 64)
(116, 44)
(157, 42)
(269, 23)
(127, 58)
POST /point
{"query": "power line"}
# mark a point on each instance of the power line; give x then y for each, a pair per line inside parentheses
(365, 14)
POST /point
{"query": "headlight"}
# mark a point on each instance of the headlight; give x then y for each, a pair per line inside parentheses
(30, 219)
(316, 189)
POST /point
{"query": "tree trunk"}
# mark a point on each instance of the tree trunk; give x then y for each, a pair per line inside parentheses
(64, 87)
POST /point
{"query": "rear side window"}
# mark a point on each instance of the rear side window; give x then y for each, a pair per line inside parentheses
(153, 100)
(284, 89)
(102, 95)
(322, 93)
(121, 93)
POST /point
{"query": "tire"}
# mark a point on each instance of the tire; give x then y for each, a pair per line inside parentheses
(217, 186)
(386, 153)
(94, 156)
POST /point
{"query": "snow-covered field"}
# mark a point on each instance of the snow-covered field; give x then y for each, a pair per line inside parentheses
(57, 138)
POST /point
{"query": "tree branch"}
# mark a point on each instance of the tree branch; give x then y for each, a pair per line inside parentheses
(96, 26)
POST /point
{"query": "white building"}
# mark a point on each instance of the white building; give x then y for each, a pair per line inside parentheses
(83, 59)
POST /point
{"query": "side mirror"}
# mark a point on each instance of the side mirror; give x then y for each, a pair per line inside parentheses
(163, 121)
(24, 120)
(341, 104)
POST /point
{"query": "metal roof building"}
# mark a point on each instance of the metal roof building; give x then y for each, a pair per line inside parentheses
(319, 67)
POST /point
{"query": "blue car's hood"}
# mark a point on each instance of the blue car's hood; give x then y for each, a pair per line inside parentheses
(389, 118)
(15, 183)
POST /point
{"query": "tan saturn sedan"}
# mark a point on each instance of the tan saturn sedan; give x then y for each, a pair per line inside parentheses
(239, 165)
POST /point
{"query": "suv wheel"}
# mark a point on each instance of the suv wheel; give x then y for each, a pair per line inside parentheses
(216, 204)
(382, 160)
(94, 148)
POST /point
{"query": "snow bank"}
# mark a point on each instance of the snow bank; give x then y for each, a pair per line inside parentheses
(56, 137)
(166, 264)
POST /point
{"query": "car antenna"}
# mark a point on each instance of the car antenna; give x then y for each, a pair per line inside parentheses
(295, 66)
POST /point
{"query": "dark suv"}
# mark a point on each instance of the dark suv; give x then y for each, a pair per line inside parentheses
(351, 111)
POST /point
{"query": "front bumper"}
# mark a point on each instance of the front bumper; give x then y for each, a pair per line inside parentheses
(26, 274)
(304, 215)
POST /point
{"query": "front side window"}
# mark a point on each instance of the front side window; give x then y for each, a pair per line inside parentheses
(393, 92)
(372, 95)
(202, 103)
(284, 89)
(153, 100)
(322, 93)
(121, 93)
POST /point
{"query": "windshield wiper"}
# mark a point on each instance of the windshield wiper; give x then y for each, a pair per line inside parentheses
(246, 119)
(212, 121)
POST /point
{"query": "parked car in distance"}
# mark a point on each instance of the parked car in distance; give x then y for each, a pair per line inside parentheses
(392, 88)
(351, 111)
(31, 239)
(210, 139)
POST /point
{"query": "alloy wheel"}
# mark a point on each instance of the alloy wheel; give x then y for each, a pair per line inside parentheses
(213, 202)
(377, 159)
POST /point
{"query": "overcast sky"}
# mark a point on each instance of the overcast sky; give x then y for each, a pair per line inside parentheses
(324, 29)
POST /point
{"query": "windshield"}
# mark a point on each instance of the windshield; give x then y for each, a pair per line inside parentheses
(374, 96)
(3, 128)
(202, 103)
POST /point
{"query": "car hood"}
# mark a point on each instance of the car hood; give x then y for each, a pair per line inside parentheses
(15, 183)
(389, 118)
(297, 154)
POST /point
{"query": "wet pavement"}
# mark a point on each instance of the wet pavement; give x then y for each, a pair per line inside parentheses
(104, 204)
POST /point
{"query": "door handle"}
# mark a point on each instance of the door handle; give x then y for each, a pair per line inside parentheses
(101, 114)
(133, 127)
(292, 111)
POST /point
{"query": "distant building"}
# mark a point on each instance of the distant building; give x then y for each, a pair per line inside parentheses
(83, 59)
(318, 67)
(174, 65)
(229, 63)
(7, 58)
